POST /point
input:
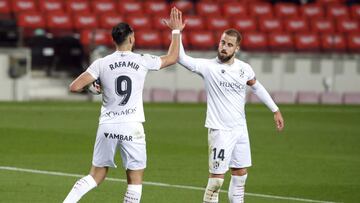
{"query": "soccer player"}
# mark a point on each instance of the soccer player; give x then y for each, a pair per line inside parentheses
(122, 76)
(226, 79)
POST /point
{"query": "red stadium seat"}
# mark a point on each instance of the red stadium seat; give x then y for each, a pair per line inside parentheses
(85, 21)
(296, 25)
(59, 24)
(245, 24)
(148, 39)
(337, 11)
(103, 6)
(158, 24)
(156, 8)
(312, 11)
(201, 40)
(161, 95)
(261, 9)
(23, 6)
(77, 6)
(280, 42)
(348, 26)
(31, 20)
(327, 2)
(139, 22)
(286, 10)
(208, 9)
(234, 9)
(355, 11)
(5, 7)
(130, 8)
(98, 37)
(307, 42)
(270, 25)
(333, 42)
(217, 23)
(254, 41)
(51, 6)
(322, 26)
(227, 1)
(109, 20)
(304, 97)
(194, 23)
(353, 42)
(183, 6)
(186, 96)
(330, 98)
(166, 39)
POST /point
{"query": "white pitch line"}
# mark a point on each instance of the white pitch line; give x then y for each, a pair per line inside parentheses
(54, 173)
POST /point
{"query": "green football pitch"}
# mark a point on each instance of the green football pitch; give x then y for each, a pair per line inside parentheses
(45, 145)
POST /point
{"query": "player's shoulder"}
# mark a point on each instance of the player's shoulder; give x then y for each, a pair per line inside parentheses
(243, 64)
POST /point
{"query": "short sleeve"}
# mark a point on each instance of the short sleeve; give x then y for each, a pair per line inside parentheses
(151, 62)
(94, 69)
(251, 74)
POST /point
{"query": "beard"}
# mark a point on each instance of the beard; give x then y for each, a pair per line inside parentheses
(223, 58)
(133, 48)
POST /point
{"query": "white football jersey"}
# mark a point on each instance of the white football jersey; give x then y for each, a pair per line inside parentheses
(225, 89)
(122, 76)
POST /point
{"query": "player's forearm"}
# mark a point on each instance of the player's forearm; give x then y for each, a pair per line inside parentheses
(173, 52)
(81, 82)
(264, 96)
(185, 60)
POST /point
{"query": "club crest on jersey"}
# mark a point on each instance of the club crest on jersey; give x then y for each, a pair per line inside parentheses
(242, 72)
(118, 136)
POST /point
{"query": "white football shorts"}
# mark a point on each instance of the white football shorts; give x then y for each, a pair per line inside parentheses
(129, 138)
(228, 149)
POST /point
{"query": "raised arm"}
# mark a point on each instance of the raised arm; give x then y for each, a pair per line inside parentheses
(176, 24)
(265, 97)
(187, 61)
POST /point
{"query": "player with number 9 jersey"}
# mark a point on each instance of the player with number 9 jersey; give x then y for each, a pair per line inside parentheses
(122, 75)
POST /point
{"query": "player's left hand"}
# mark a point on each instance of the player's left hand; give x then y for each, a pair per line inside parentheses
(279, 121)
(175, 22)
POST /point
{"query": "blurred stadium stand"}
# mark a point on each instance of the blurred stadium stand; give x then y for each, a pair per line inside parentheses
(63, 34)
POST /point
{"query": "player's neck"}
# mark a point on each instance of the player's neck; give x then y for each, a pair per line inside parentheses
(125, 47)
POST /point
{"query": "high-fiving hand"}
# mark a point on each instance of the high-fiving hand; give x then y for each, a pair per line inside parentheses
(175, 22)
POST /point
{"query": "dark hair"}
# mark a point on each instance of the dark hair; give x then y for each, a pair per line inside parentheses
(120, 32)
(234, 33)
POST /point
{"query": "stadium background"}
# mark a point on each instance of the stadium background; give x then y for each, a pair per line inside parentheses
(306, 53)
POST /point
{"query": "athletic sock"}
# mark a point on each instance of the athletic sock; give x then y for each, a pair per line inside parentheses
(133, 194)
(237, 189)
(212, 190)
(81, 187)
